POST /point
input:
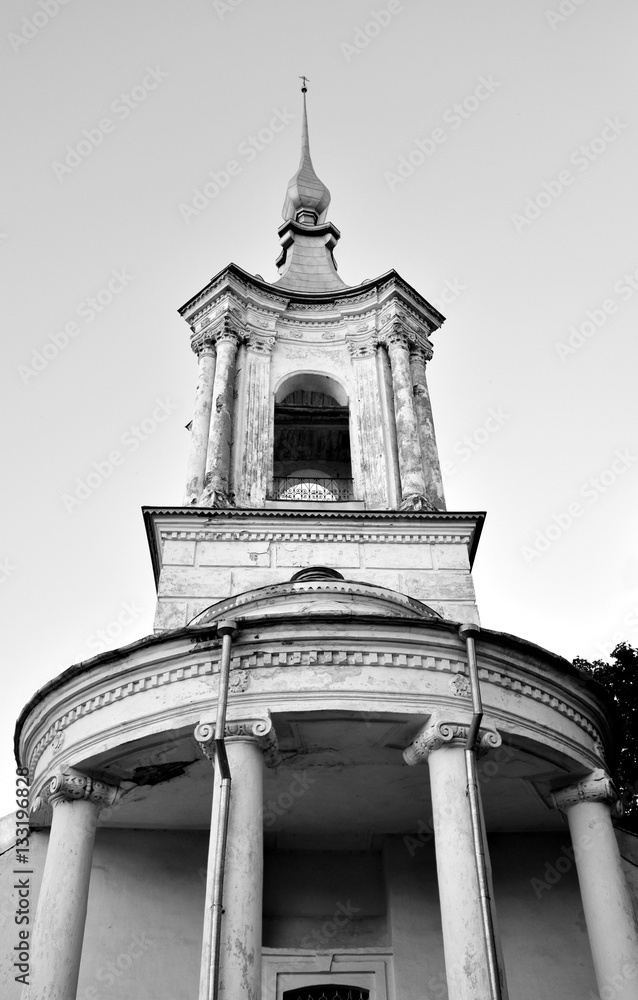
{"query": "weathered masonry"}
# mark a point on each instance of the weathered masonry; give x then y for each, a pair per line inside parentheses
(320, 778)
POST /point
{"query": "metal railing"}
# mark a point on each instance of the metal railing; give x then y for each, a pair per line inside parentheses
(305, 488)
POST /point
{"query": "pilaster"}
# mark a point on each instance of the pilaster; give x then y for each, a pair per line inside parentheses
(372, 457)
(256, 458)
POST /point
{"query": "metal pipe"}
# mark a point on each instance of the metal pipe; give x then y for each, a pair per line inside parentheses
(226, 629)
(468, 632)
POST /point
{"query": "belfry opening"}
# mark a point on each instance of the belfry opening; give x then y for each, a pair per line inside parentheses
(311, 451)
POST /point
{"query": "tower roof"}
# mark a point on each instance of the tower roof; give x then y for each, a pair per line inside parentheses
(306, 262)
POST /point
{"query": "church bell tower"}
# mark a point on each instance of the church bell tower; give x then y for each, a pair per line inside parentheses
(316, 642)
(312, 441)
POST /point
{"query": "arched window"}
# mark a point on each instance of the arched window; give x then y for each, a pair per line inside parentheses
(311, 459)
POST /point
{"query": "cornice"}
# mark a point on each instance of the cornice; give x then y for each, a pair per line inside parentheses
(382, 285)
(216, 515)
(205, 663)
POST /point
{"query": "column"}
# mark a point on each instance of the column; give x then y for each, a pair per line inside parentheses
(217, 480)
(256, 461)
(419, 356)
(609, 912)
(200, 428)
(413, 493)
(239, 973)
(369, 473)
(391, 450)
(61, 913)
(442, 744)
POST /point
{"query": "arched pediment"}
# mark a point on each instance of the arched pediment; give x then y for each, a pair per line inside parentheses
(318, 596)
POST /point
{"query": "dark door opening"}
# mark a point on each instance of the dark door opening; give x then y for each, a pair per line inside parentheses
(328, 992)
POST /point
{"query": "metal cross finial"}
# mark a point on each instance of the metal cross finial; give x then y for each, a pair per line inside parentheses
(305, 81)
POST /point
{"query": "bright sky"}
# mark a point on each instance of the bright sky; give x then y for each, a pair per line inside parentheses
(486, 151)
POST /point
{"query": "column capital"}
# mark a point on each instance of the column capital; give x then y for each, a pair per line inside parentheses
(261, 731)
(421, 352)
(360, 347)
(396, 335)
(440, 732)
(226, 334)
(594, 787)
(260, 343)
(70, 786)
(205, 347)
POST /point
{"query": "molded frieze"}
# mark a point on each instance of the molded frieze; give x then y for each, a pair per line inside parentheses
(243, 663)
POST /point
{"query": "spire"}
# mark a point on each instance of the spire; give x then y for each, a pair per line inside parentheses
(307, 198)
(306, 262)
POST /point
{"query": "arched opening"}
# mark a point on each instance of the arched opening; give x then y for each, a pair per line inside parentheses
(311, 459)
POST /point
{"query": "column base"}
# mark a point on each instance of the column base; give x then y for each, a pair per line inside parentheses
(216, 498)
(416, 501)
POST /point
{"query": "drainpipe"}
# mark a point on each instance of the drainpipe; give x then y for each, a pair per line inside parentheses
(468, 632)
(226, 629)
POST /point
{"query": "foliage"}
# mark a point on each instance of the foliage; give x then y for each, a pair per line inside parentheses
(620, 677)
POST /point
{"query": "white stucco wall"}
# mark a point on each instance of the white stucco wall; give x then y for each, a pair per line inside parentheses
(146, 902)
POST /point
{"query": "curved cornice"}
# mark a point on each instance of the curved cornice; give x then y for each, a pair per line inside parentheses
(278, 594)
(505, 661)
(314, 298)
